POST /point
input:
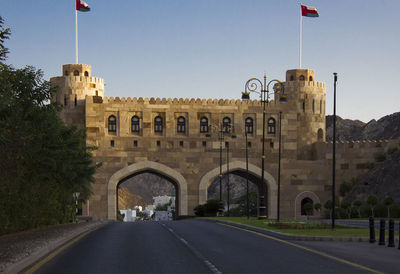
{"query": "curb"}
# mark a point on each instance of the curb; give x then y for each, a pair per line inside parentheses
(291, 237)
(21, 265)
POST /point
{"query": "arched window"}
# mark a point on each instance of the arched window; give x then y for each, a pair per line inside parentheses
(313, 106)
(320, 134)
(76, 73)
(76, 100)
(248, 124)
(86, 73)
(112, 124)
(307, 211)
(304, 105)
(181, 125)
(135, 124)
(291, 78)
(66, 73)
(226, 124)
(302, 78)
(203, 124)
(310, 78)
(271, 126)
(158, 124)
(320, 106)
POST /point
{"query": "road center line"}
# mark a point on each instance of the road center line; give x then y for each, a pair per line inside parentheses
(212, 267)
(307, 249)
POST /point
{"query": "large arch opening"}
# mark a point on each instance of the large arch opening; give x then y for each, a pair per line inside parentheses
(123, 178)
(238, 168)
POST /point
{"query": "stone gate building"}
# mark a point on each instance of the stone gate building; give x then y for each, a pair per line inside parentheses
(178, 139)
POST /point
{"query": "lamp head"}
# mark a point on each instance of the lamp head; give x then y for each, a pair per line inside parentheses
(283, 98)
(245, 96)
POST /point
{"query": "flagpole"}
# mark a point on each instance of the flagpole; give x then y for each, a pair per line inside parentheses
(76, 36)
(300, 38)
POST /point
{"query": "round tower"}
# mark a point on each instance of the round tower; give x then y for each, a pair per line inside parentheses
(309, 97)
(74, 85)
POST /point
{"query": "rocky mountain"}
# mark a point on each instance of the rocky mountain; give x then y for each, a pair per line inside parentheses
(387, 127)
(128, 200)
(383, 180)
(144, 187)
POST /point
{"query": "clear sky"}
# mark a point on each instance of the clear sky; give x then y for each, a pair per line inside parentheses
(209, 48)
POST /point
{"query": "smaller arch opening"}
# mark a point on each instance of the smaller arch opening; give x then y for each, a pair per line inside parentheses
(203, 125)
(66, 73)
(320, 134)
(226, 124)
(158, 125)
(310, 78)
(249, 125)
(86, 73)
(76, 73)
(181, 124)
(302, 78)
(112, 124)
(307, 207)
(291, 78)
(271, 126)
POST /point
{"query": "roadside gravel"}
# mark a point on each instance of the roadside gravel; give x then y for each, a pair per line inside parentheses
(19, 246)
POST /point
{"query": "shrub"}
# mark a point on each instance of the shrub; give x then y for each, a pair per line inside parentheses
(199, 210)
(380, 157)
(392, 150)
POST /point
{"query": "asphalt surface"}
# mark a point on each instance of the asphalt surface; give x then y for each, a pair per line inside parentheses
(190, 246)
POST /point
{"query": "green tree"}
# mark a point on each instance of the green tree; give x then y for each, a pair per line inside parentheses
(43, 161)
(241, 209)
(4, 34)
(346, 206)
(317, 207)
(328, 207)
(372, 201)
(388, 202)
(308, 208)
(357, 204)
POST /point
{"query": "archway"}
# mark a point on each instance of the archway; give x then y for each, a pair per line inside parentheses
(305, 196)
(152, 167)
(239, 168)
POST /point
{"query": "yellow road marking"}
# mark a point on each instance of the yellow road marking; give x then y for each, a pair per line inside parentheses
(307, 249)
(40, 263)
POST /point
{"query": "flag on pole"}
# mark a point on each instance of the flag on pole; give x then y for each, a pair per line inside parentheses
(82, 6)
(308, 11)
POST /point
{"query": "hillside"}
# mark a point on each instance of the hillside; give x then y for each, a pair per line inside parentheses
(387, 127)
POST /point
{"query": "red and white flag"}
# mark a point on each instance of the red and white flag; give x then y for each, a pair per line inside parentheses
(82, 6)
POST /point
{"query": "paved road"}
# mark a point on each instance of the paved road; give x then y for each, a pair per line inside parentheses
(189, 246)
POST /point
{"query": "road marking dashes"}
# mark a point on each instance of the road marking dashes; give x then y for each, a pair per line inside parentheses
(212, 267)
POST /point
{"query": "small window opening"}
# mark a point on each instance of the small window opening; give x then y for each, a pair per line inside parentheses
(158, 143)
(291, 78)
(76, 100)
(203, 125)
(226, 144)
(248, 144)
(112, 143)
(310, 78)
(135, 143)
(112, 124)
(66, 73)
(181, 143)
(158, 124)
(97, 93)
(76, 73)
(226, 124)
(248, 124)
(302, 78)
(320, 106)
(65, 100)
(271, 144)
(181, 124)
(304, 105)
(271, 126)
(204, 143)
(313, 106)
(86, 73)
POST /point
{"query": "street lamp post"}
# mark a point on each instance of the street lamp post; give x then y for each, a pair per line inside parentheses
(76, 196)
(251, 86)
(334, 150)
(279, 166)
(227, 173)
(247, 176)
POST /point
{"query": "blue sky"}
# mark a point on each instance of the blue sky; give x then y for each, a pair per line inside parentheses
(209, 48)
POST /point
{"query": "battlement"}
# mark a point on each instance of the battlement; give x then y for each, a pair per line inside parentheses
(305, 84)
(82, 79)
(362, 144)
(183, 101)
